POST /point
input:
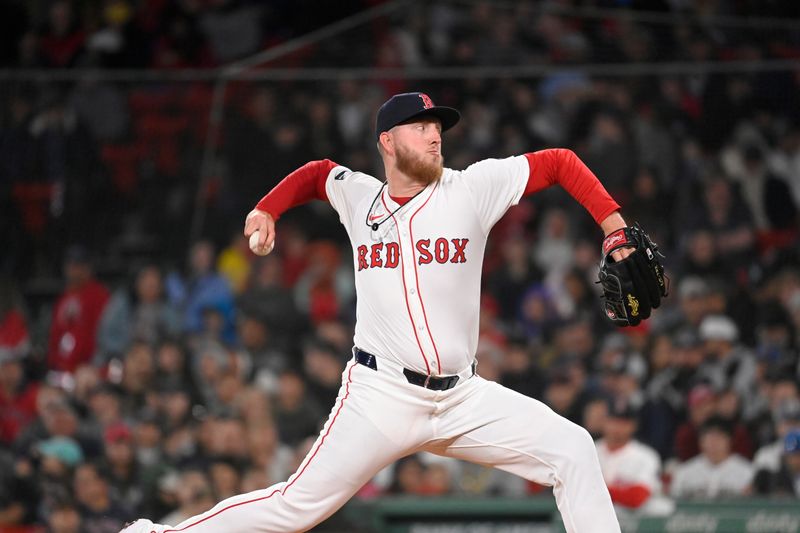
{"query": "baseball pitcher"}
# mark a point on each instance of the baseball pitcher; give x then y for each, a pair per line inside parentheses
(418, 242)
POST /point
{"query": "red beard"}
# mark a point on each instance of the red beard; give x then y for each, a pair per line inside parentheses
(421, 170)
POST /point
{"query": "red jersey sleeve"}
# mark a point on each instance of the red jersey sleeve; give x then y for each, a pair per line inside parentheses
(302, 185)
(629, 495)
(563, 167)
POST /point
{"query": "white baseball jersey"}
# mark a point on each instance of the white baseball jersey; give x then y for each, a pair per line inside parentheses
(633, 464)
(418, 287)
(699, 478)
(418, 276)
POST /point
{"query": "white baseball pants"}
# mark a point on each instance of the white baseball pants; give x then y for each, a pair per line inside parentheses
(379, 417)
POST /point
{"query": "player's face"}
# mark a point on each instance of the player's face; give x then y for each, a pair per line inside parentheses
(418, 149)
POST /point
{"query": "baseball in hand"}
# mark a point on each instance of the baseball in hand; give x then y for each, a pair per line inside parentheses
(262, 250)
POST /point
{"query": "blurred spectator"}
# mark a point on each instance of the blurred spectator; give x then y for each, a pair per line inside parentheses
(234, 263)
(19, 492)
(257, 345)
(704, 403)
(729, 221)
(326, 286)
(123, 470)
(57, 418)
(63, 40)
(409, 474)
(200, 290)
(17, 393)
(490, 327)
(518, 371)
(100, 512)
(297, 417)
(786, 480)
(668, 390)
(76, 315)
(225, 478)
(322, 139)
(775, 337)
(785, 160)
(436, 480)
(575, 298)
(786, 419)
(631, 469)
(564, 392)
(517, 272)
(172, 367)
(138, 373)
(692, 293)
(233, 28)
(68, 175)
(254, 480)
(620, 368)
(716, 472)
(140, 311)
(595, 413)
(65, 518)
(14, 338)
(118, 42)
(268, 299)
(194, 497)
(552, 251)
(181, 43)
(267, 454)
(103, 405)
(323, 369)
(57, 458)
(222, 436)
(702, 258)
(174, 406)
(701, 403)
(249, 149)
(768, 197)
(728, 365)
(538, 315)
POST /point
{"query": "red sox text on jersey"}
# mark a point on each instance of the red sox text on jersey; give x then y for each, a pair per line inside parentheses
(440, 250)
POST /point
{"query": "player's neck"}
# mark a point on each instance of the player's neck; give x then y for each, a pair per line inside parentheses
(400, 185)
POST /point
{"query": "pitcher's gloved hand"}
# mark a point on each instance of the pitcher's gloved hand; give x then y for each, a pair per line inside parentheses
(633, 286)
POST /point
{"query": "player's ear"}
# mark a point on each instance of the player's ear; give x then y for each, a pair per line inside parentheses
(386, 144)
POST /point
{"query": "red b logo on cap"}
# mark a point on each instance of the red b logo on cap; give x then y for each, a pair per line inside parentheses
(427, 103)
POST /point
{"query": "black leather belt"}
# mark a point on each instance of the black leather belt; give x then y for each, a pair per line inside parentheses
(415, 378)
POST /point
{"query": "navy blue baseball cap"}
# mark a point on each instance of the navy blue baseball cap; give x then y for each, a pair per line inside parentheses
(405, 106)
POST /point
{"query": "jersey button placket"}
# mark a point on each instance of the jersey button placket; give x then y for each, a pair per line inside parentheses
(409, 273)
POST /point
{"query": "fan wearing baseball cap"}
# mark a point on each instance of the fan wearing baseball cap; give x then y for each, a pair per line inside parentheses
(716, 472)
(785, 481)
(631, 469)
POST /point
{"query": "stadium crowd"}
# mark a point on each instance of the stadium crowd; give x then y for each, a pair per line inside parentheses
(163, 382)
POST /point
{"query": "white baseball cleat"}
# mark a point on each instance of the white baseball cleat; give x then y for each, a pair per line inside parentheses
(142, 526)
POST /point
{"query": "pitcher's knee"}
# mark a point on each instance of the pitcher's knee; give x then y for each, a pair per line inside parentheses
(577, 446)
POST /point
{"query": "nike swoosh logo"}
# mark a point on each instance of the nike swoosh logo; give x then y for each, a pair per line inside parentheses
(375, 217)
(340, 175)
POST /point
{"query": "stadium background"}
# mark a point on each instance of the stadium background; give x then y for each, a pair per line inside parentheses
(150, 365)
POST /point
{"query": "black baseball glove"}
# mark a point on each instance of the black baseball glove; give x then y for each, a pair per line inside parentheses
(635, 285)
